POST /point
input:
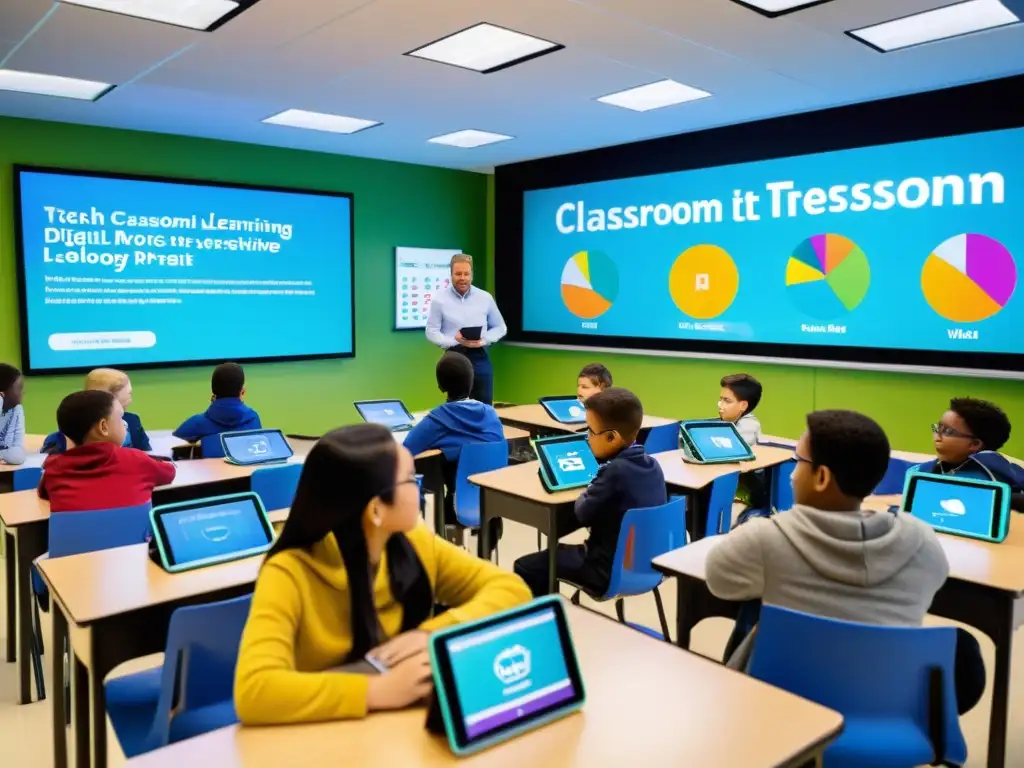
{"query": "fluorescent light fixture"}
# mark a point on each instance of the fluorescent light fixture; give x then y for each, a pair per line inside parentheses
(663, 93)
(938, 24)
(320, 121)
(469, 139)
(773, 8)
(205, 15)
(52, 85)
(485, 48)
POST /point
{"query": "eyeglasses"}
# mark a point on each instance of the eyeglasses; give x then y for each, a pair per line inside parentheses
(943, 431)
(602, 432)
(800, 459)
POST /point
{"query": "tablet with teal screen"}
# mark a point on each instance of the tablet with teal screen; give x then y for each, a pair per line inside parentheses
(565, 409)
(962, 506)
(508, 673)
(565, 461)
(255, 446)
(713, 442)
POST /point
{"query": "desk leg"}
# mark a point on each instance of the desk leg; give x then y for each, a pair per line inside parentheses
(432, 469)
(483, 539)
(30, 544)
(694, 603)
(552, 553)
(80, 715)
(58, 639)
(1003, 638)
(10, 597)
(697, 512)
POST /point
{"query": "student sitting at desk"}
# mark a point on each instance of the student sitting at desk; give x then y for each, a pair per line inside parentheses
(830, 557)
(627, 479)
(737, 400)
(593, 378)
(12, 415)
(98, 473)
(119, 385)
(355, 570)
(967, 440)
(227, 412)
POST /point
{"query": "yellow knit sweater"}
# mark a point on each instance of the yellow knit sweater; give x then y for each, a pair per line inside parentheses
(300, 625)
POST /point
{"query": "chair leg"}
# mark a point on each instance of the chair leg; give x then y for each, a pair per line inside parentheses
(37, 654)
(661, 615)
(538, 541)
(620, 610)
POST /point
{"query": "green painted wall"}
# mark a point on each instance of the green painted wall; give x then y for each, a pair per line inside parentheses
(395, 204)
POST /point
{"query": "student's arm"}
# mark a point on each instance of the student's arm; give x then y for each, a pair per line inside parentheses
(473, 587)
(496, 328)
(423, 436)
(597, 497)
(268, 688)
(162, 472)
(735, 566)
(434, 335)
(14, 451)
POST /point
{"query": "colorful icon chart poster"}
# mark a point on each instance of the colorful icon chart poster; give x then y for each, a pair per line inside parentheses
(910, 246)
(420, 274)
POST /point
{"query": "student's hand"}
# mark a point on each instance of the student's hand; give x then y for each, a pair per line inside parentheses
(401, 647)
(407, 683)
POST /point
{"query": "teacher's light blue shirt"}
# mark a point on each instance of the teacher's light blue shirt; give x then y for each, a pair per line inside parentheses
(451, 311)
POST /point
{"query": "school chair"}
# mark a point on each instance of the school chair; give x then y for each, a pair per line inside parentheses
(474, 459)
(893, 685)
(211, 447)
(662, 438)
(26, 478)
(192, 693)
(276, 485)
(645, 534)
(895, 475)
(723, 492)
(782, 488)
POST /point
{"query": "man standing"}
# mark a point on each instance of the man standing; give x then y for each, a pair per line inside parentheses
(465, 308)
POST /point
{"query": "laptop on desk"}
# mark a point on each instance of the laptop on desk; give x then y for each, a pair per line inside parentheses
(389, 413)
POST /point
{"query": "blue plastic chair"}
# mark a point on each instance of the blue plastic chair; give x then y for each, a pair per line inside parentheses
(782, 488)
(26, 478)
(276, 485)
(895, 475)
(196, 681)
(662, 438)
(212, 447)
(893, 685)
(723, 493)
(474, 459)
(645, 534)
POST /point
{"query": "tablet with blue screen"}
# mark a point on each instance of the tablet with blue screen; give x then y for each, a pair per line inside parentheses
(962, 506)
(565, 409)
(255, 446)
(565, 461)
(388, 413)
(713, 442)
(203, 532)
(509, 673)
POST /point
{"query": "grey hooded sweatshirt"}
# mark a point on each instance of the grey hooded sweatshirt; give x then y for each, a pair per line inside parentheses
(876, 568)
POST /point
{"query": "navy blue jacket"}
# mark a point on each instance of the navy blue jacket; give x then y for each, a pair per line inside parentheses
(631, 480)
(986, 465)
(136, 437)
(452, 425)
(225, 414)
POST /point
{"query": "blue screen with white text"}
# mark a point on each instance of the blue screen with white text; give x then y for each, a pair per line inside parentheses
(964, 508)
(390, 413)
(256, 447)
(567, 411)
(718, 442)
(198, 534)
(571, 461)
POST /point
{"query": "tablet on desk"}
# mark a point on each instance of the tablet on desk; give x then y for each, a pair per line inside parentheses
(389, 413)
(713, 442)
(566, 462)
(500, 676)
(565, 409)
(471, 332)
(255, 446)
(978, 509)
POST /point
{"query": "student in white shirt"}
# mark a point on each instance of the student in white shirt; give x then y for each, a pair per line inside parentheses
(12, 416)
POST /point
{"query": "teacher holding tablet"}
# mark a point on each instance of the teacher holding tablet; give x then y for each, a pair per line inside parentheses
(465, 319)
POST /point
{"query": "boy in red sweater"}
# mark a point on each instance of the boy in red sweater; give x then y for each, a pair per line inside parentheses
(97, 473)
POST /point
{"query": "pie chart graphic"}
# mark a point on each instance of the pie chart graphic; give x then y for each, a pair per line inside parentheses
(827, 276)
(703, 281)
(590, 284)
(968, 278)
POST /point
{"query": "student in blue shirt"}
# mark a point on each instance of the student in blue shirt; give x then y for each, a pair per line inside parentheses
(119, 385)
(967, 442)
(227, 412)
(459, 421)
(628, 478)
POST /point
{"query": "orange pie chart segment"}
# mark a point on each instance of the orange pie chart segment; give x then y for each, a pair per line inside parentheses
(703, 281)
(951, 294)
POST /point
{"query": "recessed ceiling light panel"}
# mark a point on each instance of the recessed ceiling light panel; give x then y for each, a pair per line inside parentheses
(938, 24)
(664, 93)
(469, 139)
(773, 8)
(204, 15)
(320, 121)
(52, 85)
(485, 48)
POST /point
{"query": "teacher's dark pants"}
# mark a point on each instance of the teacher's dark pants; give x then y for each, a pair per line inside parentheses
(483, 373)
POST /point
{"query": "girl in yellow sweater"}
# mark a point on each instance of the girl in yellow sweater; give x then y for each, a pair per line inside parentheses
(354, 571)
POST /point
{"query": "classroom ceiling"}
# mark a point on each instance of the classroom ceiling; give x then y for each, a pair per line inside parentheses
(346, 57)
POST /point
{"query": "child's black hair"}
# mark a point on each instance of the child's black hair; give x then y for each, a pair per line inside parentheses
(455, 376)
(228, 380)
(853, 446)
(618, 409)
(79, 412)
(745, 387)
(987, 421)
(598, 374)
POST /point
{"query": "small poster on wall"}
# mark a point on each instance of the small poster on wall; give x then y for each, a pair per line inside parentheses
(420, 274)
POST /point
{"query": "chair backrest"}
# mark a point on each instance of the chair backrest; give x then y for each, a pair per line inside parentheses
(474, 459)
(723, 493)
(276, 485)
(212, 447)
(645, 534)
(864, 670)
(26, 478)
(782, 488)
(662, 438)
(73, 533)
(199, 661)
(895, 475)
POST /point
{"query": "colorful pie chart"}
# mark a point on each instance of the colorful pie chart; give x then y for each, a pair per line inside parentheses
(969, 278)
(827, 276)
(590, 284)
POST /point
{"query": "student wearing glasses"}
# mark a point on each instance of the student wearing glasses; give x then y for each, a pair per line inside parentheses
(628, 478)
(967, 440)
(355, 571)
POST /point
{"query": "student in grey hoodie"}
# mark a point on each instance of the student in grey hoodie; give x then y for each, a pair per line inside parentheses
(828, 556)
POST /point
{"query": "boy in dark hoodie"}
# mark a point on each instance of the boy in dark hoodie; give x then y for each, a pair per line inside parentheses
(98, 473)
(628, 478)
(831, 557)
(967, 440)
(227, 412)
(459, 421)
